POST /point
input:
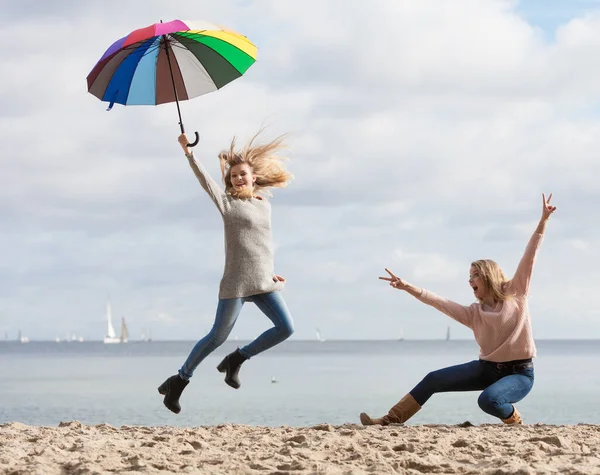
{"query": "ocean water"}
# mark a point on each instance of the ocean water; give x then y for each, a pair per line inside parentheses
(43, 383)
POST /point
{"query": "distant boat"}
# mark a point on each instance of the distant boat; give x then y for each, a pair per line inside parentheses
(401, 337)
(318, 333)
(22, 339)
(273, 380)
(124, 331)
(69, 337)
(448, 333)
(111, 336)
(147, 338)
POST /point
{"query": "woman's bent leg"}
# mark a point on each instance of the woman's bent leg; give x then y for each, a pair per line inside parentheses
(497, 400)
(228, 311)
(274, 307)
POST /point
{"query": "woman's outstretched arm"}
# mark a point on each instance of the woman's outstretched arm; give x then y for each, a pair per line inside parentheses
(458, 312)
(519, 285)
(207, 182)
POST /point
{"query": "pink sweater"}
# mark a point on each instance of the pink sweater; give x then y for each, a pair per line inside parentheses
(503, 334)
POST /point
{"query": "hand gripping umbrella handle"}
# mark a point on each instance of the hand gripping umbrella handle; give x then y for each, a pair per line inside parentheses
(195, 142)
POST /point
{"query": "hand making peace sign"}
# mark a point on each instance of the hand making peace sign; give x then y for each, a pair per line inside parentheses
(395, 281)
(547, 208)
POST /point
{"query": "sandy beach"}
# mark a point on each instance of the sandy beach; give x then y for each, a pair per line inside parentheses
(73, 448)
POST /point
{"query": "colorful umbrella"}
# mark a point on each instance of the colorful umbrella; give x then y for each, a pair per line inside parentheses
(170, 62)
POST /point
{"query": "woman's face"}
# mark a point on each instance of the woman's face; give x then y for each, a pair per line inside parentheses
(476, 283)
(242, 178)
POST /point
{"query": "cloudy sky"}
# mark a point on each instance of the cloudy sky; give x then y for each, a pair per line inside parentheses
(422, 136)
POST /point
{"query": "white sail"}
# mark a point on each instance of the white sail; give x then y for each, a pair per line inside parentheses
(319, 337)
(147, 337)
(111, 336)
(23, 339)
(111, 330)
(448, 334)
(124, 331)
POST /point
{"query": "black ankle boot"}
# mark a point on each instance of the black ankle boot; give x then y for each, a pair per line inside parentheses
(172, 389)
(231, 365)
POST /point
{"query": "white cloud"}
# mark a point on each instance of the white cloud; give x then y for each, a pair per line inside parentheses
(416, 125)
(580, 245)
(430, 266)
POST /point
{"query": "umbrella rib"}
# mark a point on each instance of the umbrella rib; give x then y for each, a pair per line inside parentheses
(175, 42)
(182, 46)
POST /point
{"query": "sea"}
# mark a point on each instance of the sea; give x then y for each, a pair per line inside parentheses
(298, 383)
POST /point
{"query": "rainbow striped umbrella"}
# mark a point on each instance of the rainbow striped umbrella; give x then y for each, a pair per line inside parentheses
(170, 62)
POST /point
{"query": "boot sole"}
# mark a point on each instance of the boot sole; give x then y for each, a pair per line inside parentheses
(365, 420)
(233, 385)
(175, 411)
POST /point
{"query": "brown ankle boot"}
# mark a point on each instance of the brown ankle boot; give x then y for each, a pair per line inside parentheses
(399, 414)
(514, 419)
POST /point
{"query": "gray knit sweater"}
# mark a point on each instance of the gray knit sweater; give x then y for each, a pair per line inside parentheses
(249, 268)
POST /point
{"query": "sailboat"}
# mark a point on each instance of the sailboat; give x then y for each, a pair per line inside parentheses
(147, 338)
(401, 337)
(448, 333)
(319, 338)
(23, 339)
(111, 336)
(124, 331)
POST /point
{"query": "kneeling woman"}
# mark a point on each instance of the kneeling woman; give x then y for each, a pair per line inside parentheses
(249, 272)
(501, 324)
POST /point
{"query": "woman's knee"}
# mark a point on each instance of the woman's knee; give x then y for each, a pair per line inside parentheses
(488, 403)
(218, 336)
(286, 329)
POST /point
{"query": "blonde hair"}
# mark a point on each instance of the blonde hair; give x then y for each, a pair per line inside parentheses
(267, 166)
(493, 278)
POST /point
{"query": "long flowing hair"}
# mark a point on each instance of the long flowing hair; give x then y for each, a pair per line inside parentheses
(267, 165)
(493, 278)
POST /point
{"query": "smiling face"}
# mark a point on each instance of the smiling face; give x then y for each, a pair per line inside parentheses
(242, 177)
(488, 281)
(477, 283)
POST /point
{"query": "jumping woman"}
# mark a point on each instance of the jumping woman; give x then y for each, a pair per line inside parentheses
(249, 271)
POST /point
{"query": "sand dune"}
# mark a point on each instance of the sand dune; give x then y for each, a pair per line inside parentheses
(73, 448)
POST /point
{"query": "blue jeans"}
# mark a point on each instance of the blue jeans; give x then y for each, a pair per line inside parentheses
(271, 304)
(501, 387)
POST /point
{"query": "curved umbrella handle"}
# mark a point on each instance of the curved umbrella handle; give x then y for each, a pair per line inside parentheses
(195, 142)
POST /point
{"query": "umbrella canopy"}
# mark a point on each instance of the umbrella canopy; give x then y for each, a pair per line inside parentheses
(168, 62)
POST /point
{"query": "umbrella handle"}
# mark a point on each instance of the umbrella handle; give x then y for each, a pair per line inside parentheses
(195, 142)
